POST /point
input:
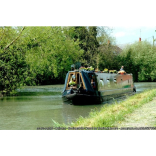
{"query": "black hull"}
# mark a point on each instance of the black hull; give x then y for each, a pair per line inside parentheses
(82, 99)
(79, 99)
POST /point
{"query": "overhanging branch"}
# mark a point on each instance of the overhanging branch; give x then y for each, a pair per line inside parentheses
(14, 39)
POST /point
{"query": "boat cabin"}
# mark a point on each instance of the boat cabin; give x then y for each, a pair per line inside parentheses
(76, 79)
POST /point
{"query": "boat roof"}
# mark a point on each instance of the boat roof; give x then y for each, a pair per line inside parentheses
(96, 72)
(81, 71)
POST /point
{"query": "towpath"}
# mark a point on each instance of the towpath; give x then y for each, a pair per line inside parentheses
(141, 117)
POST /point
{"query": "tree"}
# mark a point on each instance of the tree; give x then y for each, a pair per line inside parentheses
(104, 35)
(50, 52)
(13, 67)
(87, 41)
(33, 55)
(108, 51)
(142, 57)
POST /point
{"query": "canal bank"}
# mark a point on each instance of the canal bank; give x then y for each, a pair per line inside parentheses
(120, 114)
(142, 117)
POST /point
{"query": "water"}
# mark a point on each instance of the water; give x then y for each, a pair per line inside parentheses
(38, 106)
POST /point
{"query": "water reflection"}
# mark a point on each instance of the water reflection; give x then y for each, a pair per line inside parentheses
(38, 106)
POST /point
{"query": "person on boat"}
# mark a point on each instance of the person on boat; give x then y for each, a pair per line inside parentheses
(122, 68)
(93, 82)
(93, 85)
(122, 71)
(72, 78)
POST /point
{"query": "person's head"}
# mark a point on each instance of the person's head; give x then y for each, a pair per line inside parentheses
(122, 67)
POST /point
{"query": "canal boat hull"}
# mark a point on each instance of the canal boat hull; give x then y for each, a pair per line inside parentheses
(77, 98)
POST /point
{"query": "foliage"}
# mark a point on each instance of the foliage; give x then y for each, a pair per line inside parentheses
(33, 55)
(105, 70)
(90, 68)
(72, 83)
(108, 51)
(87, 37)
(104, 35)
(43, 55)
(112, 71)
(14, 72)
(108, 58)
(51, 52)
(87, 68)
(139, 59)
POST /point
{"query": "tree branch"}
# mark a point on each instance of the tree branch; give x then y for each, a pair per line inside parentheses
(14, 39)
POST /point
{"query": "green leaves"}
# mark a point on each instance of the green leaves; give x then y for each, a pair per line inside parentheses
(85, 37)
(142, 56)
(38, 54)
(55, 52)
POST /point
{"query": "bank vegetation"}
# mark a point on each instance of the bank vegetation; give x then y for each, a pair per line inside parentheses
(43, 55)
(112, 115)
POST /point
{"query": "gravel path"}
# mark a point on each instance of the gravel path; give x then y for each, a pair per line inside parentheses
(142, 117)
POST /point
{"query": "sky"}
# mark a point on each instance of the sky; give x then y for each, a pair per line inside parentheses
(128, 35)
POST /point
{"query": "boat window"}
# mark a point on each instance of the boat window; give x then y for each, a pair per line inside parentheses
(92, 80)
(108, 83)
(101, 83)
(90, 76)
(114, 80)
(72, 78)
(79, 80)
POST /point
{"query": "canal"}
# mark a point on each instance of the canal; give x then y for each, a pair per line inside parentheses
(38, 106)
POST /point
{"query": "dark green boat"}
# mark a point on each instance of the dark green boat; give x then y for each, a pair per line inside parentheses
(89, 87)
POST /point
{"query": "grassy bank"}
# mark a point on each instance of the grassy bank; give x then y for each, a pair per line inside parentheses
(110, 115)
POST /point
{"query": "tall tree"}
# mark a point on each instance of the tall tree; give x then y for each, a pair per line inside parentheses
(108, 51)
(50, 52)
(87, 41)
(13, 67)
(143, 56)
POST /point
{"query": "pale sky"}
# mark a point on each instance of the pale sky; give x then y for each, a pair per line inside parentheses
(128, 35)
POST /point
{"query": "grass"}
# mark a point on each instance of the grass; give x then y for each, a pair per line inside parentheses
(109, 115)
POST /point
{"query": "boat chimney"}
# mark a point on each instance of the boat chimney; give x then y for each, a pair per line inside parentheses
(72, 67)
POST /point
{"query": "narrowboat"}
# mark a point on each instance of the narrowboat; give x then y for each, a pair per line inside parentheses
(90, 87)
